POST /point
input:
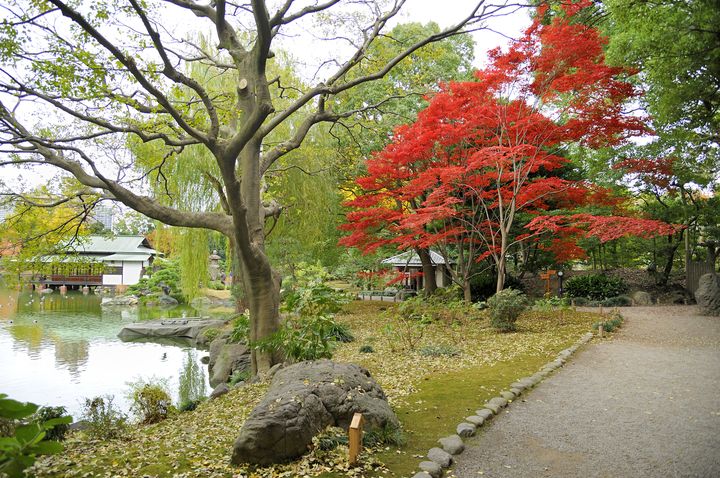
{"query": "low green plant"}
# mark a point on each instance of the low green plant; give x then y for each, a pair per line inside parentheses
(191, 405)
(302, 338)
(150, 400)
(387, 435)
(505, 308)
(27, 437)
(240, 328)
(595, 286)
(609, 325)
(104, 421)
(58, 432)
(216, 285)
(340, 332)
(551, 303)
(330, 438)
(439, 351)
(239, 376)
(211, 334)
(367, 349)
(310, 332)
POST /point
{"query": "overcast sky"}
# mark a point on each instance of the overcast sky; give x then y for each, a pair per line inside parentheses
(443, 12)
(449, 12)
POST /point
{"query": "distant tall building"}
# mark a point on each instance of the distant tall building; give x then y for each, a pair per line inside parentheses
(104, 215)
(5, 211)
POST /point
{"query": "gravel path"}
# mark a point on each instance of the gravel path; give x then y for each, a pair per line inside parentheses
(644, 404)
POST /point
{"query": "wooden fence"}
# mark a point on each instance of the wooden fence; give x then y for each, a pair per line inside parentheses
(694, 270)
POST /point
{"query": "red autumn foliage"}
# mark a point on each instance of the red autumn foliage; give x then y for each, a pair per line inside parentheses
(483, 151)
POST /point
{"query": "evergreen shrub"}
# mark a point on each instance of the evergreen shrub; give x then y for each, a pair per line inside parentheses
(595, 286)
(505, 307)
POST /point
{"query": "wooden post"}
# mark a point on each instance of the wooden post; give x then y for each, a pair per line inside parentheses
(355, 434)
(600, 330)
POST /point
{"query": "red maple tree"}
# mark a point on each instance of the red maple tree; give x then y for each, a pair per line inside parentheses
(486, 150)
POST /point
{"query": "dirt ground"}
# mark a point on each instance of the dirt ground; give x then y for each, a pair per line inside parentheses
(643, 404)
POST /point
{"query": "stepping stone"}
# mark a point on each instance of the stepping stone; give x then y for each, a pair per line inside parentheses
(423, 474)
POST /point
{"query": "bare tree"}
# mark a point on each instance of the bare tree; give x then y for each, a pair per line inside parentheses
(104, 70)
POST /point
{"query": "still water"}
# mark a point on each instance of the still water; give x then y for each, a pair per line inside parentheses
(60, 350)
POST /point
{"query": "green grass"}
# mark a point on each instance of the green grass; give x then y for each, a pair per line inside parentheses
(444, 401)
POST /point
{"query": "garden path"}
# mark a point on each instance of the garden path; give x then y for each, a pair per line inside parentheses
(643, 404)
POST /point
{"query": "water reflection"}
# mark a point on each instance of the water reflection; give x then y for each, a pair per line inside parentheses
(59, 350)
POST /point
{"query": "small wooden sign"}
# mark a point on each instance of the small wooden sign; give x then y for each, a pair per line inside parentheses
(355, 434)
(547, 276)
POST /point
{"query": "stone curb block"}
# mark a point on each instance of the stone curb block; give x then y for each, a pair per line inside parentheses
(452, 444)
(496, 404)
(430, 468)
(507, 395)
(465, 429)
(475, 420)
(484, 413)
(439, 456)
(423, 474)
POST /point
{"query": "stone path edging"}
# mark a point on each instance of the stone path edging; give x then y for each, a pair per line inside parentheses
(441, 458)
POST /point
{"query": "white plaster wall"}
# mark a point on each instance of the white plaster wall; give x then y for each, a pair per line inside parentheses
(439, 277)
(108, 279)
(131, 272)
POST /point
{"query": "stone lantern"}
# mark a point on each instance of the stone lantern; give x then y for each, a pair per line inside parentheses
(214, 267)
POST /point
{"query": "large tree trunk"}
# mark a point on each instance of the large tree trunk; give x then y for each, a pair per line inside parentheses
(501, 262)
(500, 284)
(467, 291)
(261, 284)
(669, 253)
(429, 281)
(262, 289)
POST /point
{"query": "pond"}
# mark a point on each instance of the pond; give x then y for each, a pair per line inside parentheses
(59, 350)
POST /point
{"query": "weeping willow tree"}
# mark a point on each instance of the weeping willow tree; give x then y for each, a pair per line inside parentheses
(307, 231)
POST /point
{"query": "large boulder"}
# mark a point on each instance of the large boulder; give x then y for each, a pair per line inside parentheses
(642, 298)
(303, 400)
(707, 295)
(225, 359)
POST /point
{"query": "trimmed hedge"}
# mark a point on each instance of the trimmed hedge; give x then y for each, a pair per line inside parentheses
(595, 286)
